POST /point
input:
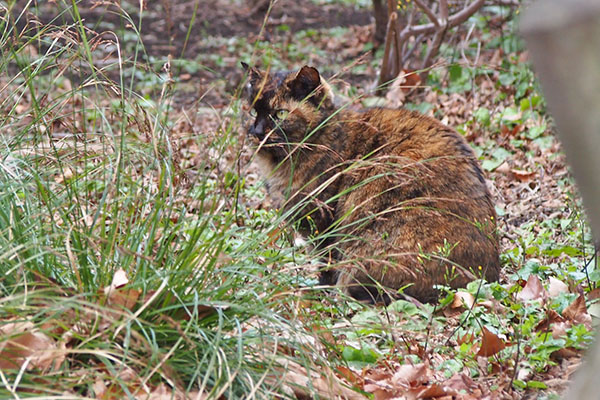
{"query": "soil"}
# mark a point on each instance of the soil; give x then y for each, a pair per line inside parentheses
(166, 23)
(187, 29)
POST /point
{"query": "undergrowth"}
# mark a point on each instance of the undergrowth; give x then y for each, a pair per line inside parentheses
(130, 248)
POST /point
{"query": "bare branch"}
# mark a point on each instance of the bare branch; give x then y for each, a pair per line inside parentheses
(387, 66)
(410, 52)
(444, 10)
(398, 50)
(432, 17)
(433, 49)
(453, 21)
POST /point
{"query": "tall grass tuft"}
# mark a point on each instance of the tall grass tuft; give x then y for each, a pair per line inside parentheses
(92, 188)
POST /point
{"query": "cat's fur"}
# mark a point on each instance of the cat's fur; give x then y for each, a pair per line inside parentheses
(399, 197)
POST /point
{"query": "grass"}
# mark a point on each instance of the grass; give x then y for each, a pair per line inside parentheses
(91, 188)
(128, 247)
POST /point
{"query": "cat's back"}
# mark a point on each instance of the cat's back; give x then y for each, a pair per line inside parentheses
(397, 140)
(418, 183)
(403, 129)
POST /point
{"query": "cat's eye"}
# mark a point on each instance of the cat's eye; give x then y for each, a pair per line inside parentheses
(281, 114)
(253, 113)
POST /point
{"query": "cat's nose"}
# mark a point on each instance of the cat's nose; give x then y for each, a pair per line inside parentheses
(257, 129)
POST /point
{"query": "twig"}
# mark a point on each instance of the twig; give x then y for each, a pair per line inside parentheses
(453, 21)
(443, 10)
(396, 38)
(384, 75)
(433, 49)
(432, 17)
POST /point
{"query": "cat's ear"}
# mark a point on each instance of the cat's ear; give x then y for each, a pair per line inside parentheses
(254, 80)
(253, 73)
(305, 82)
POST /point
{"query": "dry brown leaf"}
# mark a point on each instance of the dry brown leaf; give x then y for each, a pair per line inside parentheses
(503, 168)
(565, 352)
(466, 338)
(378, 392)
(460, 382)
(126, 298)
(524, 374)
(551, 318)
(533, 290)
(556, 287)
(348, 374)
(196, 395)
(522, 176)
(22, 342)
(507, 131)
(490, 343)
(66, 174)
(412, 79)
(411, 375)
(559, 329)
(430, 391)
(161, 392)
(594, 294)
(297, 379)
(577, 312)
(395, 95)
(463, 299)
(99, 388)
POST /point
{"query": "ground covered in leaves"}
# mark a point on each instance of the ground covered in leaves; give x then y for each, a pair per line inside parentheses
(520, 338)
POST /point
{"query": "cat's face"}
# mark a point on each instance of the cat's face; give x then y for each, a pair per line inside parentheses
(286, 107)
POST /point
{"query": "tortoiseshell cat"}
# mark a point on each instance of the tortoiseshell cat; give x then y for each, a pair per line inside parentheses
(398, 197)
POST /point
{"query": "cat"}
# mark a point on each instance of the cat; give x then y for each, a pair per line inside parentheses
(398, 198)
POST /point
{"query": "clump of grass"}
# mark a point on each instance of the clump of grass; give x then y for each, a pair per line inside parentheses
(92, 188)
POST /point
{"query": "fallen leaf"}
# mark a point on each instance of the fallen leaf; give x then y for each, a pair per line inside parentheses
(298, 379)
(23, 342)
(533, 290)
(460, 382)
(551, 318)
(161, 392)
(559, 329)
(348, 374)
(395, 95)
(412, 79)
(556, 287)
(594, 294)
(577, 312)
(66, 174)
(431, 391)
(463, 299)
(466, 338)
(524, 374)
(126, 298)
(411, 375)
(490, 343)
(507, 131)
(564, 352)
(119, 279)
(503, 168)
(378, 392)
(522, 176)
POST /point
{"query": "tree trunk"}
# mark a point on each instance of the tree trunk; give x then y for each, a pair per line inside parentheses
(564, 40)
(381, 19)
